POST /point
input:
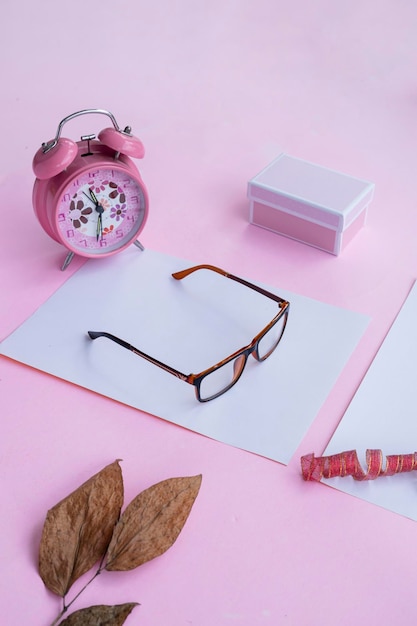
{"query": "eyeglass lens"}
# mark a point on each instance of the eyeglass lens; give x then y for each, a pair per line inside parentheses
(224, 377)
(269, 341)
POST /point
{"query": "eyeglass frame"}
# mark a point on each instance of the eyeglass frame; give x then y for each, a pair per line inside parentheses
(251, 348)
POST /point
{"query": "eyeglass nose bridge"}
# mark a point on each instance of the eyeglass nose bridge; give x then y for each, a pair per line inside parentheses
(253, 349)
(240, 361)
(238, 366)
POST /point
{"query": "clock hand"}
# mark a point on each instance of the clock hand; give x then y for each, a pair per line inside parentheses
(93, 198)
(89, 197)
(100, 211)
(98, 228)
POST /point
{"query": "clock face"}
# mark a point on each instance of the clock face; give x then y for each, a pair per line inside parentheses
(101, 211)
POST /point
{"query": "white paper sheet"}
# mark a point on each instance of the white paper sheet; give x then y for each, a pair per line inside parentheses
(190, 325)
(383, 415)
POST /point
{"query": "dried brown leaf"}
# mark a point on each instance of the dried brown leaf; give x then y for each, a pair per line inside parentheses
(100, 615)
(78, 529)
(152, 522)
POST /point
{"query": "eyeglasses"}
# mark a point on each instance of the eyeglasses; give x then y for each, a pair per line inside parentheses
(219, 378)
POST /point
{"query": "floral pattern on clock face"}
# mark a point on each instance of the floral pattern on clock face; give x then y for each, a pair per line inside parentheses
(101, 210)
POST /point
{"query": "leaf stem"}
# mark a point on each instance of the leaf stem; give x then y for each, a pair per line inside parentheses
(67, 606)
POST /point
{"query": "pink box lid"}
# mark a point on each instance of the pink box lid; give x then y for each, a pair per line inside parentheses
(317, 193)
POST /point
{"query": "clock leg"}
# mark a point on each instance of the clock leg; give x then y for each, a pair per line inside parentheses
(139, 245)
(67, 261)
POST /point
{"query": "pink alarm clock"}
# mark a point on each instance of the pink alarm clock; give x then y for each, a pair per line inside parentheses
(88, 195)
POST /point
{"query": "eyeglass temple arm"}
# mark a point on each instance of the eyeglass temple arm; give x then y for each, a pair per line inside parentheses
(96, 334)
(187, 272)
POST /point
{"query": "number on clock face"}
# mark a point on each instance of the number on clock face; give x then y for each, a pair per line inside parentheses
(101, 211)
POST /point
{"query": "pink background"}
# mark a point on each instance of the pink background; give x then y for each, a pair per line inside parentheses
(216, 90)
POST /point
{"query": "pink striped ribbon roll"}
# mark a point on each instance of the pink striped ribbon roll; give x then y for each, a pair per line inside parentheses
(347, 464)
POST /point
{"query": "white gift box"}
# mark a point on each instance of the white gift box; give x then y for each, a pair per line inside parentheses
(310, 203)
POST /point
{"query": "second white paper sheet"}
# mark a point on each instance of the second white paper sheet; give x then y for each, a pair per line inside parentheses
(383, 415)
(190, 325)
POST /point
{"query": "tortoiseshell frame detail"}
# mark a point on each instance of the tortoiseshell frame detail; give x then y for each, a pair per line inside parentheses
(252, 348)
